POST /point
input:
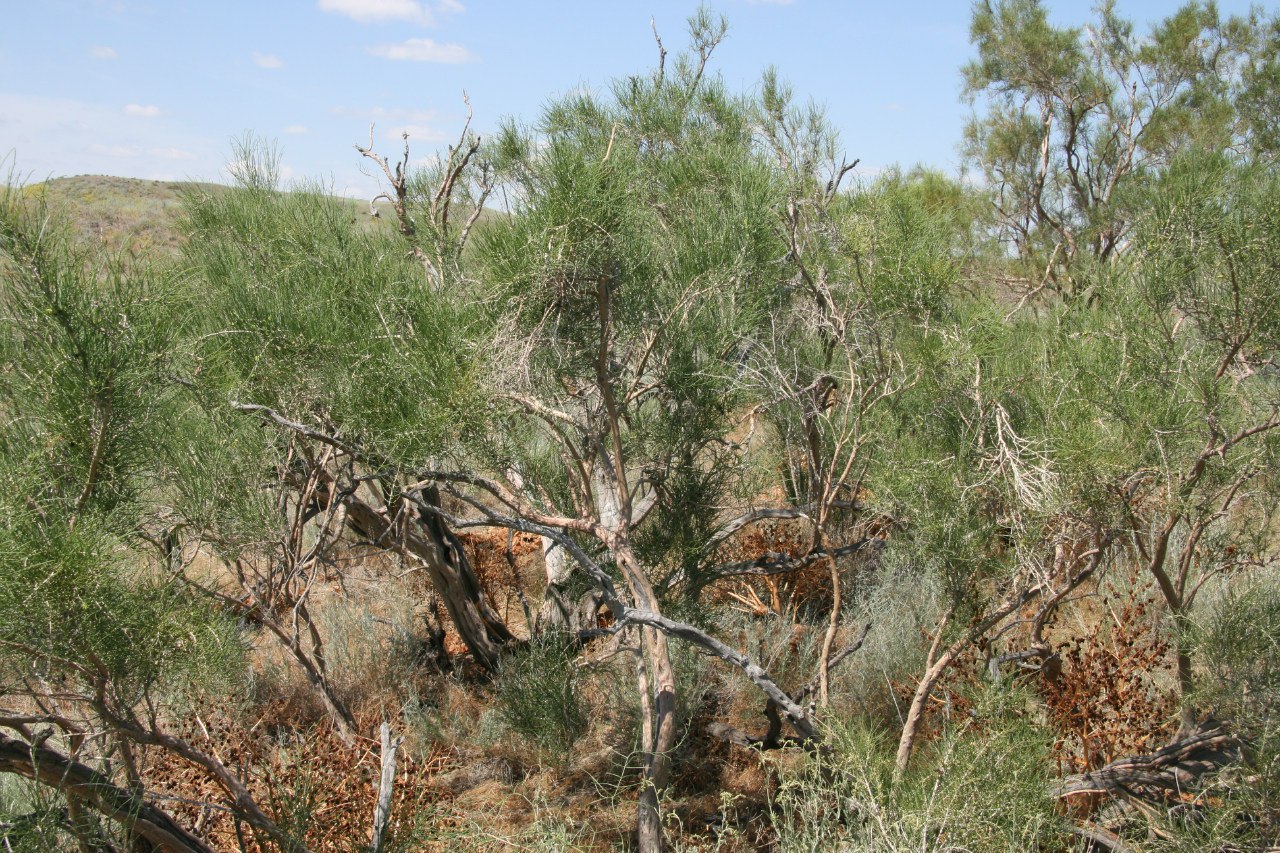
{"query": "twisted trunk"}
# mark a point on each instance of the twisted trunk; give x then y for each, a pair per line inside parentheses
(662, 684)
(430, 540)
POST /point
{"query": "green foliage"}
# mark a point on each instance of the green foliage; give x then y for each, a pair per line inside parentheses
(84, 395)
(1238, 638)
(982, 789)
(911, 233)
(1074, 115)
(32, 818)
(70, 605)
(1209, 243)
(539, 693)
(84, 349)
(296, 307)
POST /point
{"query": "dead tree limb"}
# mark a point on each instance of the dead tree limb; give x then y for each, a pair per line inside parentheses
(1174, 768)
(240, 798)
(88, 787)
(397, 178)
(772, 738)
(386, 786)
(428, 540)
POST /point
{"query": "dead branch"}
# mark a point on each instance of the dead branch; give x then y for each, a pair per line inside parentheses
(397, 179)
(1177, 767)
(87, 786)
(386, 785)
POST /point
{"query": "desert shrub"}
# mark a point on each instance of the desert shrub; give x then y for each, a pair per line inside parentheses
(32, 819)
(374, 657)
(1238, 639)
(979, 788)
(538, 692)
(901, 607)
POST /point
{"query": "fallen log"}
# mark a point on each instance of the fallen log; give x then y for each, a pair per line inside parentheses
(1171, 770)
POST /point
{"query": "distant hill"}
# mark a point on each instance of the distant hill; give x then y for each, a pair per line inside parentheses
(131, 211)
(143, 215)
(116, 211)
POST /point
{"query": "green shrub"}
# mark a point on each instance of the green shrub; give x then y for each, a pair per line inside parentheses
(983, 790)
(538, 692)
(1238, 641)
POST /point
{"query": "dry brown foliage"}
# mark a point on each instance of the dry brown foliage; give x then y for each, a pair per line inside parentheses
(316, 788)
(1111, 691)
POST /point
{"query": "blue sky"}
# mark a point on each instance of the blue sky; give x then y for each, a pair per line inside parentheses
(160, 88)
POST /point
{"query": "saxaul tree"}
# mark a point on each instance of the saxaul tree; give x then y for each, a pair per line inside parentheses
(622, 307)
(1074, 115)
(91, 640)
(301, 306)
(1205, 290)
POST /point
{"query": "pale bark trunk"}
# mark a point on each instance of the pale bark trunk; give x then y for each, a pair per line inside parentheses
(934, 667)
(560, 611)
(662, 680)
(911, 728)
(386, 787)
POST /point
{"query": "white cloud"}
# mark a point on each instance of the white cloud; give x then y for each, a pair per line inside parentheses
(171, 153)
(895, 108)
(148, 111)
(103, 52)
(394, 122)
(297, 128)
(119, 151)
(267, 60)
(423, 50)
(377, 11)
(62, 136)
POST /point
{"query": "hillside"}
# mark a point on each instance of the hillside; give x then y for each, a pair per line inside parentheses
(116, 211)
(143, 215)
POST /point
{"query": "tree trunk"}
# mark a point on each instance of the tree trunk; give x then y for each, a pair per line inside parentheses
(911, 728)
(477, 623)
(662, 681)
(560, 611)
(1186, 675)
(90, 788)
